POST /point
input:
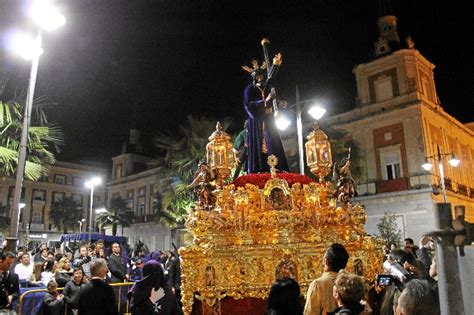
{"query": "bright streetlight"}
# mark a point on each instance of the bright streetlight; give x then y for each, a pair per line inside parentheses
(80, 224)
(316, 111)
(47, 18)
(45, 15)
(91, 184)
(453, 161)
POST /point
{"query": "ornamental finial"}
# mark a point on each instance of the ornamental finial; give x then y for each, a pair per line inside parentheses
(272, 160)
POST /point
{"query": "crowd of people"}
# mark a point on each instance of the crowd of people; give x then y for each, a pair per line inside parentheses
(86, 275)
(409, 285)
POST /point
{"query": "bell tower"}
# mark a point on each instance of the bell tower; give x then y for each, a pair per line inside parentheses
(388, 40)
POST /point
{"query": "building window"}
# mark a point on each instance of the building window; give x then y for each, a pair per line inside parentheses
(383, 88)
(39, 195)
(78, 199)
(141, 206)
(78, 181)
(36, 217)
(391, 165)
(118, 171)
(60, 179)
(58, 196)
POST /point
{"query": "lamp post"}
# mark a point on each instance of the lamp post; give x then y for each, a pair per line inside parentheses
(91, 184)
(453, 161)
(282, 123)
(80, 224)
(47, 18)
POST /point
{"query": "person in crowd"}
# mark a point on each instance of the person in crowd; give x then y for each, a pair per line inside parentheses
(92, 252)
(348, 291)
(137, 269)
(53, 303)
(63, 272)
(412, 267)
(117, 266)
(9, 283)
(50, 256)
(284, 298)
(72, 290)
(83, 261)
(424, 252)
(433, 270)
(70, 256)
(48, 272)
(43, 256)
(97, 297)
(174, 276)
(100, 246)
(100, 253)
(152, 295)
(410, 246)
(418, 297)
(24, 269)
(17, 261)
(319, 298)
(39, 254)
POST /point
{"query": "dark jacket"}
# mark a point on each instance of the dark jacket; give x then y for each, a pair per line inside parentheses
(71, 294)
(97, 298)
(51, 305)
(117, 267)
(62, 278)
(140, 303)
(9, 285)
(353, 309)
(175, 274)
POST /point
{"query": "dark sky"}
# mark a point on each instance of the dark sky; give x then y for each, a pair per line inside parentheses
(158, 61)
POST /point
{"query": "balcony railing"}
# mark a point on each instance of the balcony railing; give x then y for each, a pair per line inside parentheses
(391, 185)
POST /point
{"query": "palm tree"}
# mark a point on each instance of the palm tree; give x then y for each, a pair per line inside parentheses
(182, 155)
(117, 214)
(43, 138)
(65, 213)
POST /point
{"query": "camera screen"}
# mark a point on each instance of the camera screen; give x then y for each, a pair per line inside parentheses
(384, 280)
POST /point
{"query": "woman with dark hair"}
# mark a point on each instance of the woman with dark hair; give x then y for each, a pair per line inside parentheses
(48, 271)
(285, 298)
(152, 295)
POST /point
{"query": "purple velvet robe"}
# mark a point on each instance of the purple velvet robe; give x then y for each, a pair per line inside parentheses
(261, 125)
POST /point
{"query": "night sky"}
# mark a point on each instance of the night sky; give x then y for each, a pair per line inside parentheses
(158, 61)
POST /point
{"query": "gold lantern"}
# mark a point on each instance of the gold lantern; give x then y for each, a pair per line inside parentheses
(219, 154)
(318, 153)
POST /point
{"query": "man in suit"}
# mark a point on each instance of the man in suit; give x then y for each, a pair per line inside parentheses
(97, 297)
(117, 266)
(9, 284)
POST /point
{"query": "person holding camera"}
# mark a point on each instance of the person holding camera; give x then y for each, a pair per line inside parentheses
(401, 267)
(83, 261)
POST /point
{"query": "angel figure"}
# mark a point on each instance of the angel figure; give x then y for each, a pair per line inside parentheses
(203, 186)
(345, 183)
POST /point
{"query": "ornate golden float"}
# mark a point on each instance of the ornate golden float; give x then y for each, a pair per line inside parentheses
(265, 226)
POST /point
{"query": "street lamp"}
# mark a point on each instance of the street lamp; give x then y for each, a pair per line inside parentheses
(80, 224)
(453, 161)
(91, 184)
(47, 18)
(282, 123)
